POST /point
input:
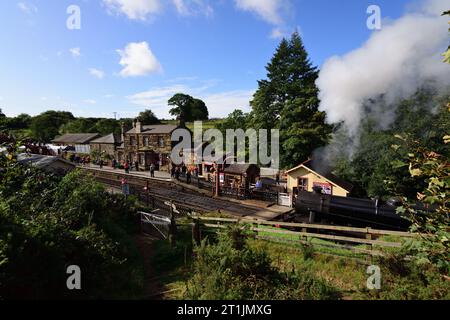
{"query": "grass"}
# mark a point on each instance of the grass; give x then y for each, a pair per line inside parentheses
(345, 274)
(169, 264)
(336, 266)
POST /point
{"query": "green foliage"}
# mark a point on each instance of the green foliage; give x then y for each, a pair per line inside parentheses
(188, 108)
(147, 117)
(307, 250)
(45, 126)
(48, 223)
(433, 169)
(22, 121)
(374, 161)
(79, 125)
(403, 280)
(288, 101)
(232, 270)
(235, 120)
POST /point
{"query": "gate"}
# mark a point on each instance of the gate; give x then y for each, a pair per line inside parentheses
(155, 225)
(285, 199)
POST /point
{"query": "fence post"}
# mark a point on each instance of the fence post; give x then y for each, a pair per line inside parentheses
(196, 231)
(305, 230)
(173, 227)
(369, 245)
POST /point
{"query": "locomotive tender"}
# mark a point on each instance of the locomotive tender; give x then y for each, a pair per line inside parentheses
(324, 208)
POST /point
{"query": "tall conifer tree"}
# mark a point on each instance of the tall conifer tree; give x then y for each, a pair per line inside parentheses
(288, 100)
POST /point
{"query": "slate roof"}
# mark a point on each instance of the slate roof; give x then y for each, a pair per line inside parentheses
(40, 161)
(238, 168)
(156, 129)
(108, 139)
(76, 138)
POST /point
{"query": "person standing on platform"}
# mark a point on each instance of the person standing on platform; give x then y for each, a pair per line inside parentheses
(188, 177)
(152, 170)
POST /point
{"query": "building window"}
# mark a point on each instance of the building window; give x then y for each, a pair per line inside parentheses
(82, 148)
(146, 142)
(142, 159)
(161, 142)
(133, 141)
(302, 184)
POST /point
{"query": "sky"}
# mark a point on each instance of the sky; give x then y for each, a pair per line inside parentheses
(131, 55)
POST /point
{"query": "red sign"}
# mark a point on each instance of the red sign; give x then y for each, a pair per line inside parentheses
(326, 187)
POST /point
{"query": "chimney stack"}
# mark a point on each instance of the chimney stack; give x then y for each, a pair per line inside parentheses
(122, 127)
(138, 126)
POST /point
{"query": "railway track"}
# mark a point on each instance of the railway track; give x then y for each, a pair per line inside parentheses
(168, 191)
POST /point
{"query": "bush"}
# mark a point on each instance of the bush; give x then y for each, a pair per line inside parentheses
(230, 270)
(48, 223)
(405, 280)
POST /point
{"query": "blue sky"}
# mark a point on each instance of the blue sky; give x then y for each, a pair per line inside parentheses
(134, 54)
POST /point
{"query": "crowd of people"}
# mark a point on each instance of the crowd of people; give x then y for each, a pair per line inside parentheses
(183, 171)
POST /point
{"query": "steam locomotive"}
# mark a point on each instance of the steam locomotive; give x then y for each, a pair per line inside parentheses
(323, 208)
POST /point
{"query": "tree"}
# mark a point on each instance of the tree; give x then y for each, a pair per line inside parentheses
(235, 120)
(45, 126)
(147, 117)
(107, 126)
(47, 223)
(199, 110)
(288, 101)
(433, 169)
(22, 121)
(188, 108)
(370, 164)
(431, 165)
(2, 115)
(79, 125)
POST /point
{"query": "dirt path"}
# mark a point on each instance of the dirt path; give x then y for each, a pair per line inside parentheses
(145, 246)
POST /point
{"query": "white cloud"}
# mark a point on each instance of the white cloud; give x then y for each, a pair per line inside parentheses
(192, 7)
(268, 10)
(27, 8)
(76, 52)
(219, 104)
(134, 9)
(277, 33)
(97, 73)
(90, 101)
(138, 60)
(223, 103)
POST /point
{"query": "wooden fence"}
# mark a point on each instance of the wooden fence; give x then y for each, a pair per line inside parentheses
(356, 240)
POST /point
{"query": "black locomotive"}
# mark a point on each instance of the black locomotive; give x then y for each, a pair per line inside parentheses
(323, 208)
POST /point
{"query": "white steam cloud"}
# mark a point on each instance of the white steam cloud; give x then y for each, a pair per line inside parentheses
(395, 62)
